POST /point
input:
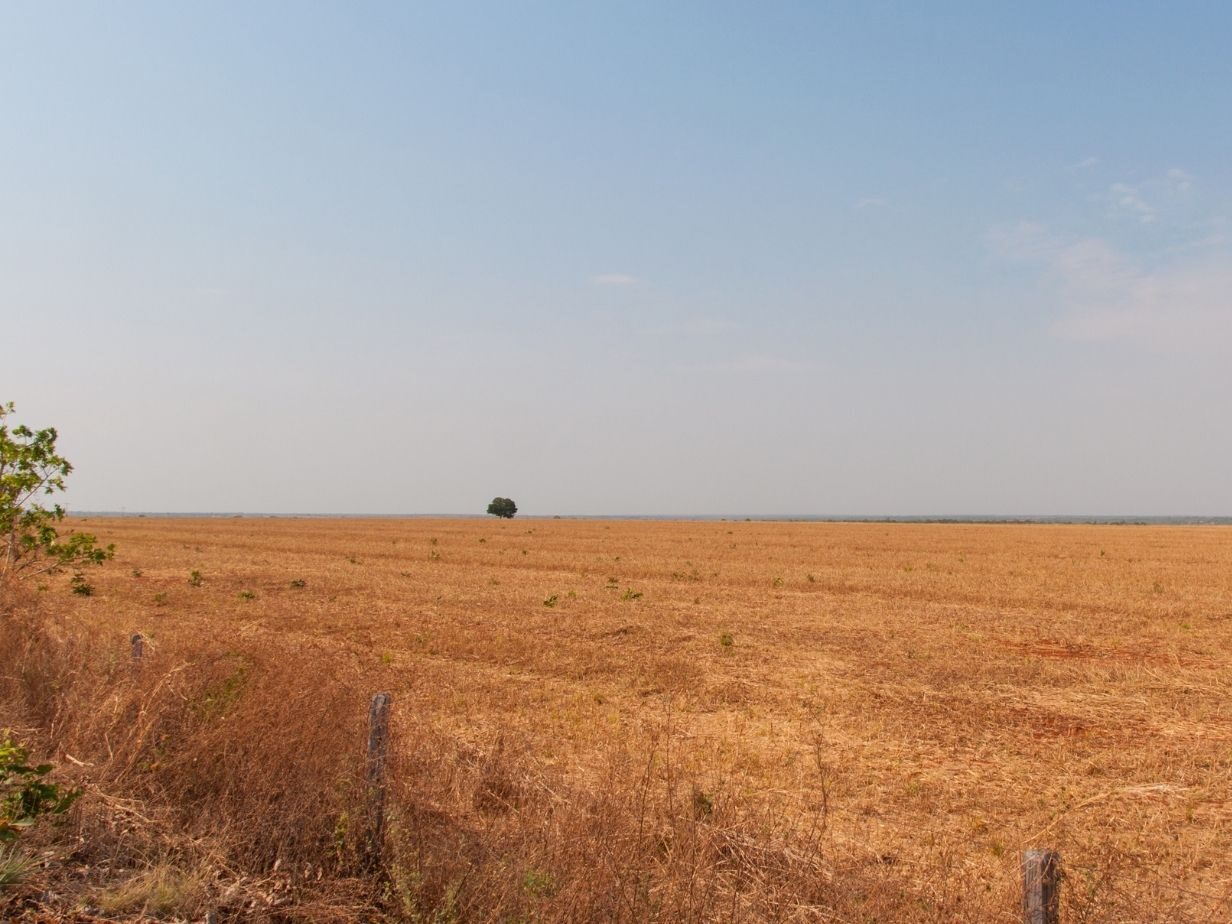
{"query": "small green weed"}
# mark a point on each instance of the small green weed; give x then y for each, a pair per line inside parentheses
(538, 883)
(218, 697)
(703, 805)
(13, 866)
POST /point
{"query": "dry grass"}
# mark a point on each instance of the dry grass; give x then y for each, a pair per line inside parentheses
(638, 720)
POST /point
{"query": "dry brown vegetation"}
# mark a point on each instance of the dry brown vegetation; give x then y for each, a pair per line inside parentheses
(633, 721)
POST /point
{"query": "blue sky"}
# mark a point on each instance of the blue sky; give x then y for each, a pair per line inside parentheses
(622, 258)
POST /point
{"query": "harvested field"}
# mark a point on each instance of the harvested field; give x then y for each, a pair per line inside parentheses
(638, 720)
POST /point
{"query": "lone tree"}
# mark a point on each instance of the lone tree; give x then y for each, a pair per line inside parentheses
(30, 541)
(502, 507)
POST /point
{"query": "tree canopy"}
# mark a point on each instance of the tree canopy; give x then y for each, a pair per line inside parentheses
(502, 507)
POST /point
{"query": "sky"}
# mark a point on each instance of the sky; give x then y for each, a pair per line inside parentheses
(628, 258)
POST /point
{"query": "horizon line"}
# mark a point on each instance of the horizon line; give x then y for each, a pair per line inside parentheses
(1026, 518)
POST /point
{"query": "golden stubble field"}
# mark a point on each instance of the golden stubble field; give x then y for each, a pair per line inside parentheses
(915, 703)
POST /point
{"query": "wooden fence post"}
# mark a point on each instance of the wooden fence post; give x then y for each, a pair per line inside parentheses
(378, 753)
(138, 643)
(1041, 887)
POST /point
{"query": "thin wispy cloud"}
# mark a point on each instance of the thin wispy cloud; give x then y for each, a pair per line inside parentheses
(1101, 295)
(764, 362)
(615, 279)
(751, 364)
(1129, 202)
(708, 326)
(1148, 200)
(1085, 164)
(1179, 180)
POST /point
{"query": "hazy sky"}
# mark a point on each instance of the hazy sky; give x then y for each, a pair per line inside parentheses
(657, 257)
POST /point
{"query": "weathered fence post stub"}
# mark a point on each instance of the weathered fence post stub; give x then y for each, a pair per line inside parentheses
(1041, 887)
(378, 753)
(138, 643)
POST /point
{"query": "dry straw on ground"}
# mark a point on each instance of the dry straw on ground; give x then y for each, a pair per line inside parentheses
(633, 721)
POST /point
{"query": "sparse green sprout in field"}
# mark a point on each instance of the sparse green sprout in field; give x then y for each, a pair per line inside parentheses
(81, 587)
(195, 579)
(551, 601)
(160, 599)
(726, 639)
(137, 572)
(777, 582)
(247, 595)
(30, 540)
(14, 865)
(703, 805)
(299, 583)
(631, 594)
(812, 579)
(538, 884)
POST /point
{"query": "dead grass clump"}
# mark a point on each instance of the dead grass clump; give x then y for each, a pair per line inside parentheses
(161, 890)
(491, 834)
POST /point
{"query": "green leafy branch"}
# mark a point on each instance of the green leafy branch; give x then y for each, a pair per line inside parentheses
(30, 540)
(25, 794)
